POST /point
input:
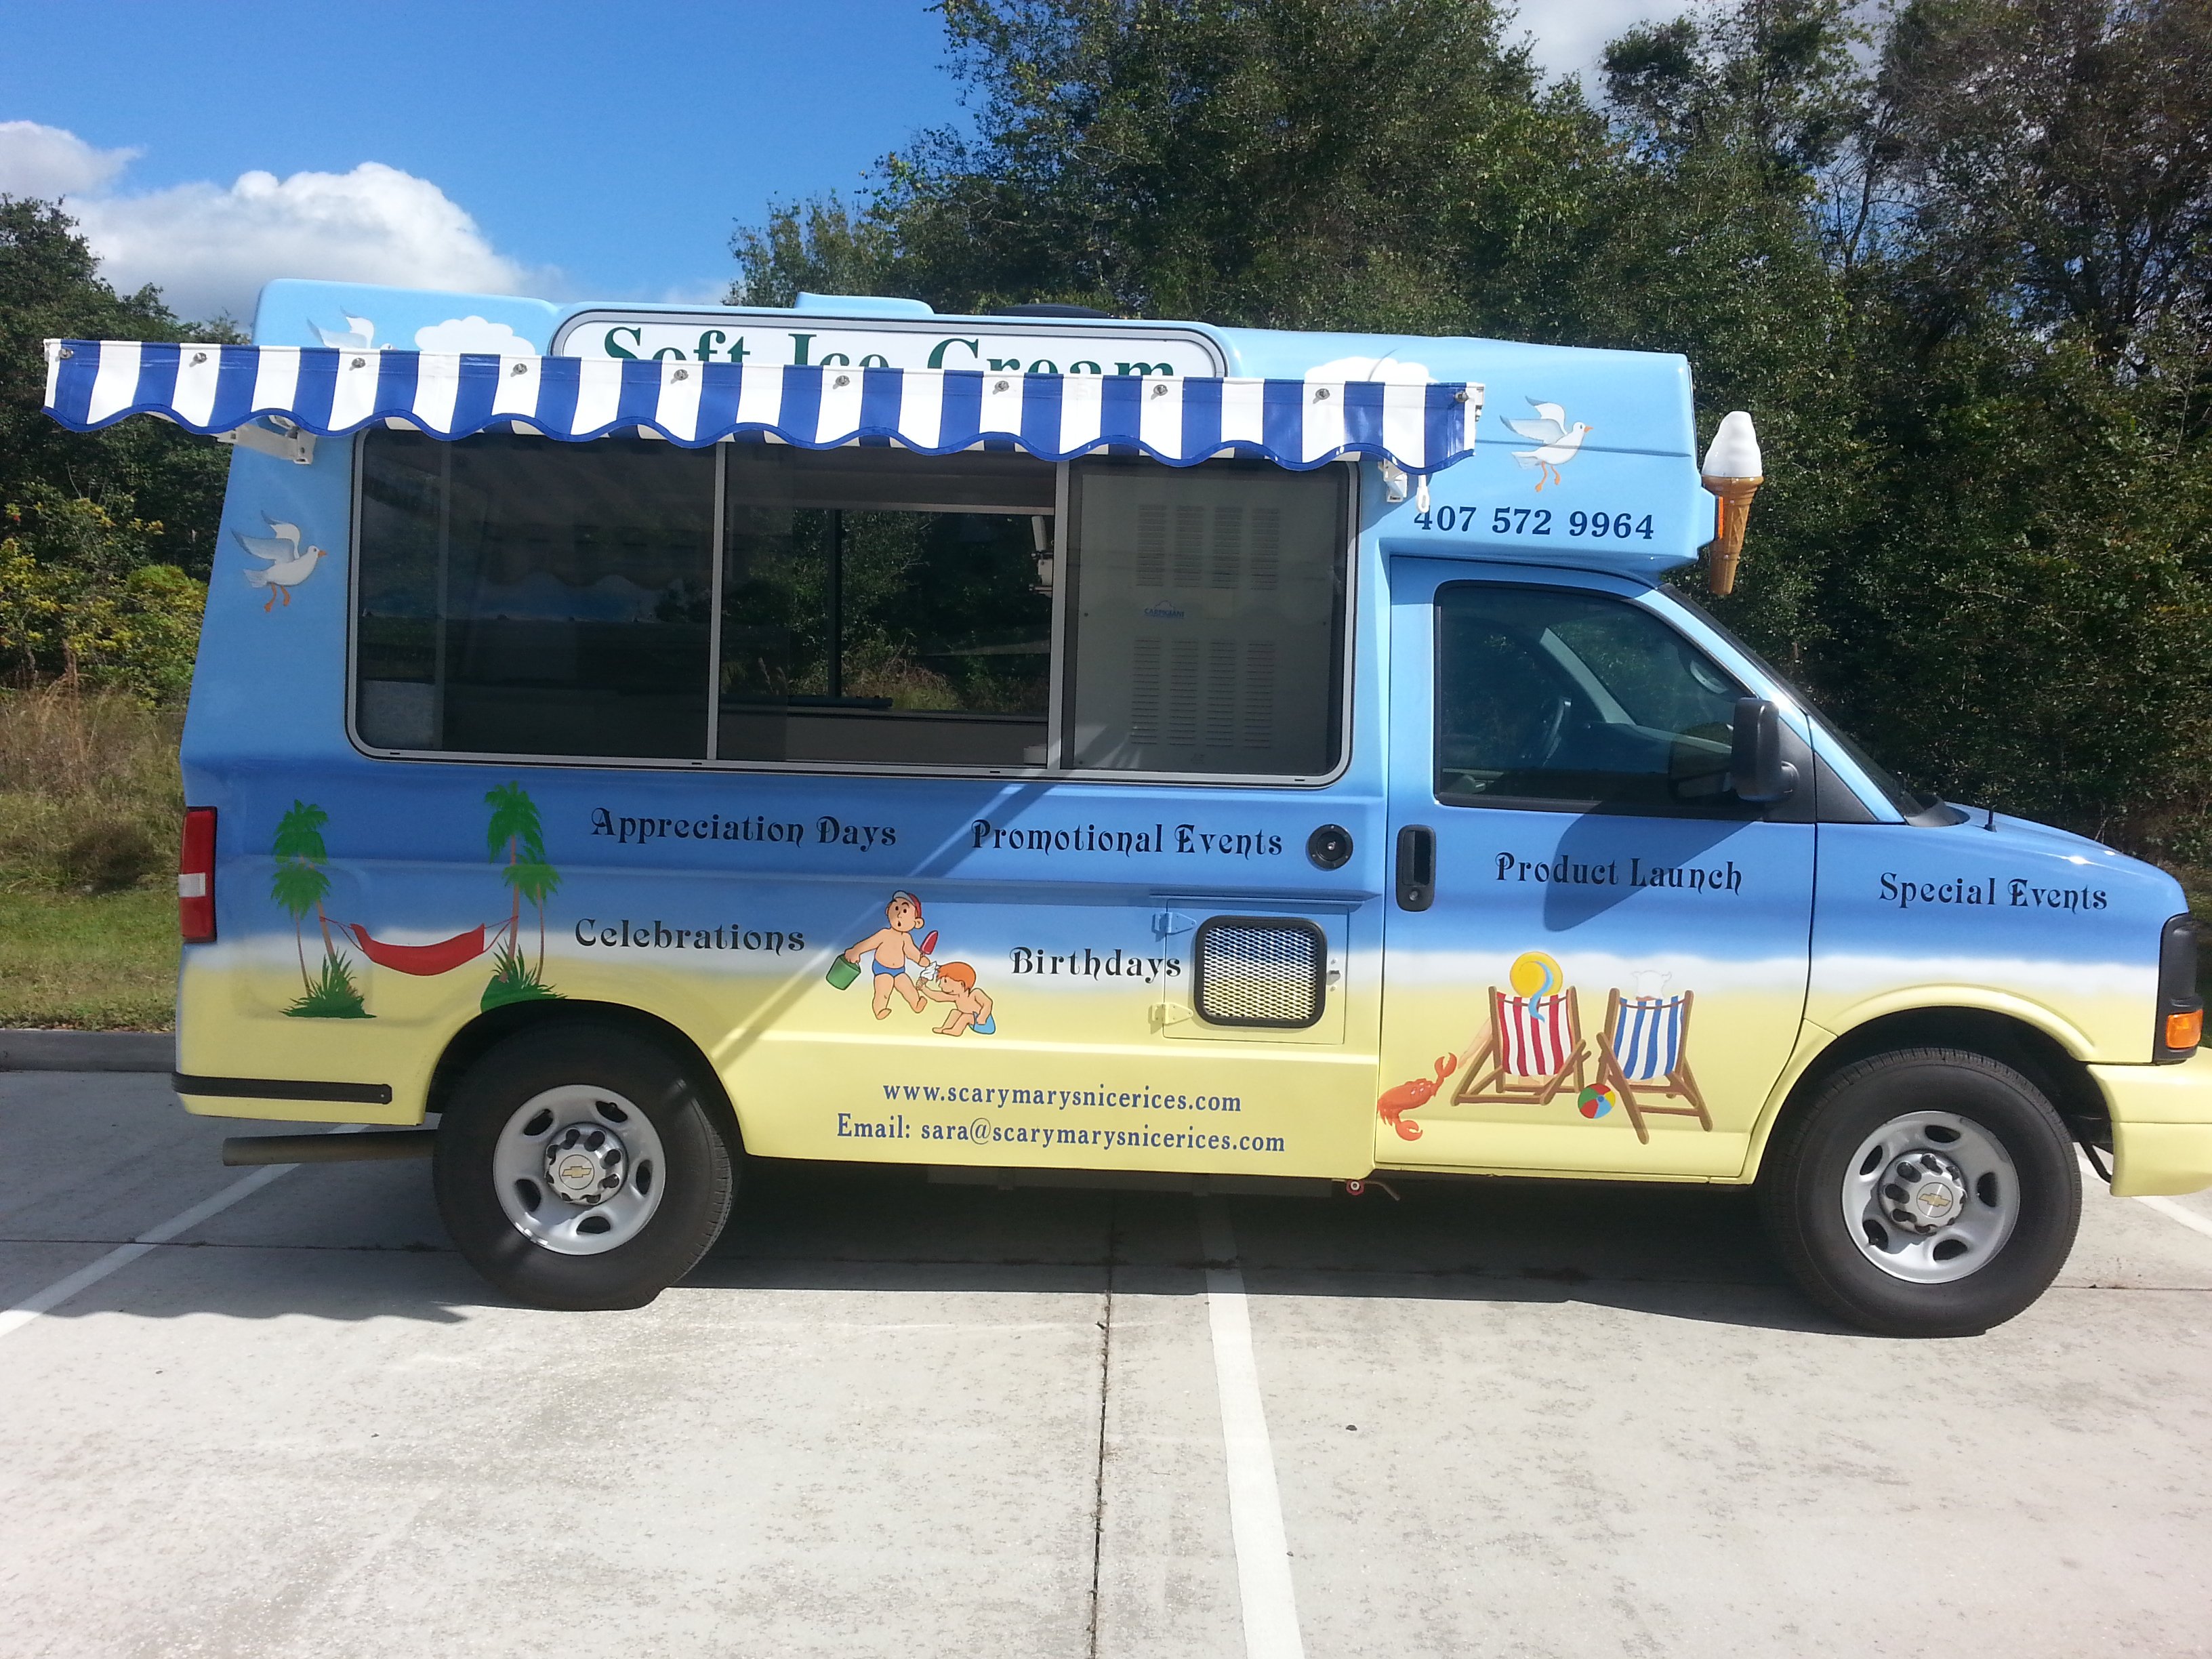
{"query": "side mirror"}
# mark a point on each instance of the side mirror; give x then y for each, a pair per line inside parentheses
(1755, 764)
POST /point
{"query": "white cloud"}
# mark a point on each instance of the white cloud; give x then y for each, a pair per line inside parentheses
(1368, 368)
(473, 334)
(1570, 36)
(208, 247)
(36, 161)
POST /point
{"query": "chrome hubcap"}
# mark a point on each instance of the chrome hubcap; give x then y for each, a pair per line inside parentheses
(585, 1164)
(1930, 1197)
(1924, 1192)
(578, 1170)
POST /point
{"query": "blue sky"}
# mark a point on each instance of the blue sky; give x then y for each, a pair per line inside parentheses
(564, 149)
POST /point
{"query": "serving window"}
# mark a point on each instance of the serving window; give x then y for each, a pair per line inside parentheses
(854, 607)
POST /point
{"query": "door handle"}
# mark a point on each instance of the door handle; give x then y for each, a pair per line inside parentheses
(1416, 867)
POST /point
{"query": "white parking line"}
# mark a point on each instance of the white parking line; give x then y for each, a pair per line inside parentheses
(2165, 1207)
(1255, 1504)
(2187, 1218)
(123, 1254)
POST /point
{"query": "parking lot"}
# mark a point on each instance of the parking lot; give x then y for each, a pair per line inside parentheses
(888, 1416)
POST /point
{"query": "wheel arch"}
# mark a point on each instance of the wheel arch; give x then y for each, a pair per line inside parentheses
(494, 1026)
(2040, 1055)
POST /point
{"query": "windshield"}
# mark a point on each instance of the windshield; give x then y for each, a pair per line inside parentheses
(1907, 802)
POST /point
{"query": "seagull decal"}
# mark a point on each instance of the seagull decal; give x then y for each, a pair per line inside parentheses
(356, 335)
(286, 565)
(1556, 443)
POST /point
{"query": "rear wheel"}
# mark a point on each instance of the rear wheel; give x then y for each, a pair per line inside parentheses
(1928, 1191)
(580, 1168)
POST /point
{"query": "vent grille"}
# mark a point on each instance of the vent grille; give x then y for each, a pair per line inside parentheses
(1260, 971)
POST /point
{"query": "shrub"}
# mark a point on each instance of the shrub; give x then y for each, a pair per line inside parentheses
(110, 855)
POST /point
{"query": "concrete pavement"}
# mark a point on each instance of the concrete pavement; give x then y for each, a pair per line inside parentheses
(892, 1417)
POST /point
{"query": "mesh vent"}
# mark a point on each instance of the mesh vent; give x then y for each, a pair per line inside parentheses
(1260, 971)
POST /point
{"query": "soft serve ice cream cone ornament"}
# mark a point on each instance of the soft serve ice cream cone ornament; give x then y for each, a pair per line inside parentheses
(1732, 471)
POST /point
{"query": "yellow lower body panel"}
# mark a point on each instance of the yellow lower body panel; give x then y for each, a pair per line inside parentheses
(2161, 1125)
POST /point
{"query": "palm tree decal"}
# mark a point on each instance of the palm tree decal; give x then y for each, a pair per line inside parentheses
(301, 885)
(516, 834)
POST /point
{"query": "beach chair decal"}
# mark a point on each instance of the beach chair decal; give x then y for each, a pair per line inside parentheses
(1642, 1059)
(1533, 1049)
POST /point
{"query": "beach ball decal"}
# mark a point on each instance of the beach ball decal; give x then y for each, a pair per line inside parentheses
(1595, 1101)
(1534, 975)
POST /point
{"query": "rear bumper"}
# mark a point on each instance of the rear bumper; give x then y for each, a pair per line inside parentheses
(2161, 1125)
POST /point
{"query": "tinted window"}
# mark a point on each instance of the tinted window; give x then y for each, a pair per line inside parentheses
(871, 606)
(1548, 694)
(520, 596)
(1208, 618)
(884, 607)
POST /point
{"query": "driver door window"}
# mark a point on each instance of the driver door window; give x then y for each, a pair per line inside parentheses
(1551, 697)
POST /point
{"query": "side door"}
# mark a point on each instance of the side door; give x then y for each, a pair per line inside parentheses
(1595, 956)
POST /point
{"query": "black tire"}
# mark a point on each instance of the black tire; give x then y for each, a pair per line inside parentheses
(695, 1173)
(1802, 1183)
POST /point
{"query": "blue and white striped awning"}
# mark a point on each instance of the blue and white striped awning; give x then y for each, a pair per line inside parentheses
(1421, 426)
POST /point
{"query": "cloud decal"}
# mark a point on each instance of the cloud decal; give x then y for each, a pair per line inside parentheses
(473, 334)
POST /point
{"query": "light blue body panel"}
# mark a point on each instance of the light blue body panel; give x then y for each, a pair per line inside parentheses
(1074, 900)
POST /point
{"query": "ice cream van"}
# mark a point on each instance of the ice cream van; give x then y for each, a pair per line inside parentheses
(628, 741)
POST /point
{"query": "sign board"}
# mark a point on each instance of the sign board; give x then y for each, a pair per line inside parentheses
(799, 339)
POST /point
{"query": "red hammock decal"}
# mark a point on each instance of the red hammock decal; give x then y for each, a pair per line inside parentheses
(424, 960)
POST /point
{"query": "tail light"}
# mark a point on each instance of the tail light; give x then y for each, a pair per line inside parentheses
(196, 877)
(2180, 1010)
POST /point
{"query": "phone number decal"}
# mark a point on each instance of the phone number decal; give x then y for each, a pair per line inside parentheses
(1540, 521)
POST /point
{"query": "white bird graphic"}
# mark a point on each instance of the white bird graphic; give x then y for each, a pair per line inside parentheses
(1556, 443)
(356, 335)
(288, 566)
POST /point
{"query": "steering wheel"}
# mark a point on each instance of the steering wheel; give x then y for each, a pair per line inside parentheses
(1550, 731)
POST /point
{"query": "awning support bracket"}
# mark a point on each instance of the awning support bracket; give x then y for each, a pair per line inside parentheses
(277, 436)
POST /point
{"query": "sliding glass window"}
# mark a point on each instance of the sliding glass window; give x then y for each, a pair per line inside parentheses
(755, 603)
(884, 608)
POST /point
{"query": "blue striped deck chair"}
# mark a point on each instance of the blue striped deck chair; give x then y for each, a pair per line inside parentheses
(1643, 1054)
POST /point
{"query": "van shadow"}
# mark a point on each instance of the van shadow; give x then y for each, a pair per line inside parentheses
(1683, 1252)
(356, 1241)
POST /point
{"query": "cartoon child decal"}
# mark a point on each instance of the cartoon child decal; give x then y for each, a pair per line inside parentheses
(971, 1009)
(894, 950)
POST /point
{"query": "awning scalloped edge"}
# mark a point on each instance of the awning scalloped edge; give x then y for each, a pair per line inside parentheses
(1421, 427)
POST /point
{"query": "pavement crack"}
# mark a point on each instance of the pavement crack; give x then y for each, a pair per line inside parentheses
(1105, 1381)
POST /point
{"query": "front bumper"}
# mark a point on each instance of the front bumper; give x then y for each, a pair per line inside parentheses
(2161, 1125)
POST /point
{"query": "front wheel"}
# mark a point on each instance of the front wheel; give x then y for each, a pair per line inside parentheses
(1928, 1191)
(580, 1169)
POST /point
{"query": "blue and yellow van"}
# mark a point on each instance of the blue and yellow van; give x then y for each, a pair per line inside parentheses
(636, 739)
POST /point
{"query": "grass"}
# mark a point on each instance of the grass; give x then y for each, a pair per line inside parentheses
(513, 979)
(90, 962)
(90, 807)
(332, 996)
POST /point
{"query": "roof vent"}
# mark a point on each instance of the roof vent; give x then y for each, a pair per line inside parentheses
(862, 304)
(1049, 308)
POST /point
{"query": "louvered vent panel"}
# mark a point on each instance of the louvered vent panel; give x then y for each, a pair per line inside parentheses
(1151, 546)
(1228, 547)
(1182, 693)
(1189, 546)
(1259, 970)
(1144, 690)
(1267, 564)
(1260, 695)
(1221, 694)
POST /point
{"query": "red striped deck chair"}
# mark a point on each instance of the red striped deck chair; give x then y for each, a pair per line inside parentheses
(1534, 1049)
(1643, 1057)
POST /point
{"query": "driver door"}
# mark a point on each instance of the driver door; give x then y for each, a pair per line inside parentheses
(1595, 957)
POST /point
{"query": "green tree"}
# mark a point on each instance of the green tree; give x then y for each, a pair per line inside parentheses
(51, 289)
(516, 832)
(300, 883)
(81, 603)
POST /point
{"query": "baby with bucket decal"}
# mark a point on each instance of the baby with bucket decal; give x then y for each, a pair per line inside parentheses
(893, 948)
